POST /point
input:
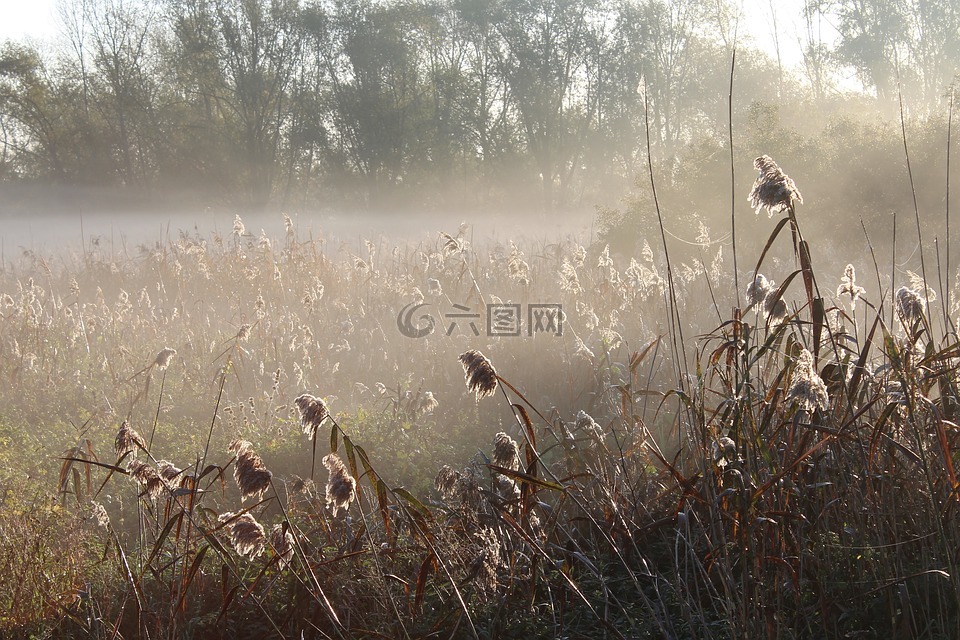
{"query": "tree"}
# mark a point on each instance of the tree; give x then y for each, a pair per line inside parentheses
(239, 59)
(491, 135)
(31, 138)
(816, 52)
(259, 43)
(124, 86)
(872, 36)
(549, 47)
(934, 45)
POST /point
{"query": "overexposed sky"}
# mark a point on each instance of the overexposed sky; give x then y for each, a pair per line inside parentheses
(21, 19)
(38, 20)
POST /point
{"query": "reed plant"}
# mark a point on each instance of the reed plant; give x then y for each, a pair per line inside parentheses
(776, 463)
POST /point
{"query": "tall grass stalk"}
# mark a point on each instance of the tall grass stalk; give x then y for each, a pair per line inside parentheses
(676, 328)
(948, 291)
(798, 502)
(733, 175)
(913, 193)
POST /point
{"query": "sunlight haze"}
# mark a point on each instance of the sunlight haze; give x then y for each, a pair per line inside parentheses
(480, 319)
(39, 21)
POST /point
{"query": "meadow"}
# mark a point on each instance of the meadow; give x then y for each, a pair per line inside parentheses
(231, 436)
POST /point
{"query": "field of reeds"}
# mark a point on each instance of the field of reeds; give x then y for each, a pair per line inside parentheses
(231, 436)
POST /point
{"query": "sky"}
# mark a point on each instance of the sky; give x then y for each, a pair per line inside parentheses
(39, 20)
(20, 19)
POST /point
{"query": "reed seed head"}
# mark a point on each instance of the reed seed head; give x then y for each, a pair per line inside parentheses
(506, 453)
(586, 424)
(238, 228)
(147, 477)
(807, 388)
(763, 293)
(164, 358)
(341, 486)
(282, 543)
(251, 475)
(128, 441)
(909, 304)
(724, 450)
(569, 280)
(774, 307)
(246, 534)
(168, 471)
(101, 516)
(517, 267)
(773, 189)
(727, 446)
(446, 482)
(480, 375)
(919, 284)
(758, 289)
(464, 486)
(508, 488)
(488, 560)
(424, 403)
(848, 285)
(313, 411)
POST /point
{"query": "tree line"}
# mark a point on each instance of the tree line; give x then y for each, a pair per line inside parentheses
(299, 102)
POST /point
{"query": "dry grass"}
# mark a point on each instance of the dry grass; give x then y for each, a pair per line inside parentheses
(49, 575)
(797, 481)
